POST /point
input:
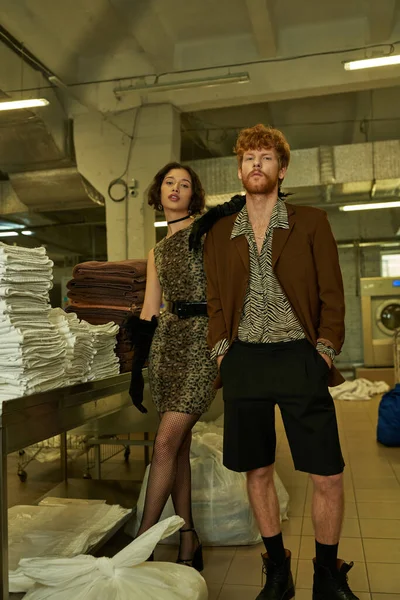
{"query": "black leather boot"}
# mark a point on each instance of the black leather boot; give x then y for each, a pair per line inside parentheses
(332, 587)
(279, 585)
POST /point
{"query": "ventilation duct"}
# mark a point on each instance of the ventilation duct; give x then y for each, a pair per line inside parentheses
(55, 189)
(37, 155)
(341, 170)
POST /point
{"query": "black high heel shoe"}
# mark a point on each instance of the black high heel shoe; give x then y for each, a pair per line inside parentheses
(197, 561)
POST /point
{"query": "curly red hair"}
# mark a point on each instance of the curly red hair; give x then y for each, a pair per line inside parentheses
(260, 136)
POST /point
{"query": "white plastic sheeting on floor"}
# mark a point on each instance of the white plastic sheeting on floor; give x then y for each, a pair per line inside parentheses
(62, 531)
(359, 389)
(122, 577)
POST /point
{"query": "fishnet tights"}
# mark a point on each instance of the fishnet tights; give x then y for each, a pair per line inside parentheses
(170, 475)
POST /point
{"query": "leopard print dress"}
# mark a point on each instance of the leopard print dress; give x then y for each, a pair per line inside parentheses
(181, 372)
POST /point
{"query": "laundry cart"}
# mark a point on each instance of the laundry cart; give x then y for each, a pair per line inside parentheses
(103, 448)
(97, 451)
(48, 451)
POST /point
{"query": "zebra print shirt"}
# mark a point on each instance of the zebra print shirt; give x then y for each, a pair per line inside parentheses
(267, 315)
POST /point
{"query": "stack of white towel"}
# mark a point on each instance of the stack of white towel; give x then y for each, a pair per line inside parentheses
(43, 348)
(105, 362)
(32, 354)
(90, 351)
(78, 342)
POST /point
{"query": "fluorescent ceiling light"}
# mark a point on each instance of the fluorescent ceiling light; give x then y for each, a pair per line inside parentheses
(370, 206)
(15, 233)
(369, 63)
(6, 226)
(4, 234)
(185, 84)
(16, 104)
(160, 224)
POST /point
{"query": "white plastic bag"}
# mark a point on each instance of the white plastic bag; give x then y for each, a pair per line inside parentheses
(61, 530)
(124, 577)
(221, 509)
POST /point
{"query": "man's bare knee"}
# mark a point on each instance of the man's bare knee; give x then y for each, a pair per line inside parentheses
(329, 484)
(264, 474)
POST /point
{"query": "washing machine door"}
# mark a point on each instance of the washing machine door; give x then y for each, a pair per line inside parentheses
(388, 316)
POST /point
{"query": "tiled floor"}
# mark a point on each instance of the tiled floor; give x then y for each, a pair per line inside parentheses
(371, 533)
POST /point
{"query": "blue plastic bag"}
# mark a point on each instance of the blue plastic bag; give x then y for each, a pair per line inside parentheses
(388, 432)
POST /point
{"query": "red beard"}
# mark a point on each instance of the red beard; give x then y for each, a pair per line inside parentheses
(259, 185)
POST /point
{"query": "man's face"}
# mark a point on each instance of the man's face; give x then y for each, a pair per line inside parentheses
(260, 171)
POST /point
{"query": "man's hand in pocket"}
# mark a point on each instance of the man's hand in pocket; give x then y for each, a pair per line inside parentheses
(220, 358)
(326, 358)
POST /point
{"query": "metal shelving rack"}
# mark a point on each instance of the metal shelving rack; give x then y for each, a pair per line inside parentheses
(32, 419)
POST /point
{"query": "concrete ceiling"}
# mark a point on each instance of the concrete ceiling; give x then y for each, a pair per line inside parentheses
(331, 120)
(93, 45)
(65, 35)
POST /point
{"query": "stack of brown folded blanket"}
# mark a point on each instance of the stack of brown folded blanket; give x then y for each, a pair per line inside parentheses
(101, 292)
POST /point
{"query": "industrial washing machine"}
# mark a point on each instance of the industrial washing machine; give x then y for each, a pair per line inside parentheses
(380, 305)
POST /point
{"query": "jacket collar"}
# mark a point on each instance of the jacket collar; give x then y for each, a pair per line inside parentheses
(281, 236)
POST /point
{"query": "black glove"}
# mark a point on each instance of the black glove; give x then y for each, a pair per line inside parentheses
(204, 224)
(141, 334)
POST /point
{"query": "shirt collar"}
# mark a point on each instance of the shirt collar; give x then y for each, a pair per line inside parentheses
(279, 219)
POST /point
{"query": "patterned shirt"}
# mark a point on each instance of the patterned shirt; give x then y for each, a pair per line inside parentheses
(267, 315)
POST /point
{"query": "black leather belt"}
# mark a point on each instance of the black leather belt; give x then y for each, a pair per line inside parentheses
(184, 310)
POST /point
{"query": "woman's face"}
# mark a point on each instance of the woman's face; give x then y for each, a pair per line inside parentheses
(176, 190)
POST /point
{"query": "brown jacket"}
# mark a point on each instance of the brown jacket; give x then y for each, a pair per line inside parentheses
(306, 264)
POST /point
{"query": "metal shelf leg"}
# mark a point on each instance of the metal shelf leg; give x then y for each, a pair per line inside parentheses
(3, 518)
(64, 455)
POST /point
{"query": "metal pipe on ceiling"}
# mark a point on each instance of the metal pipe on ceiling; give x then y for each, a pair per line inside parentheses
(19, 48)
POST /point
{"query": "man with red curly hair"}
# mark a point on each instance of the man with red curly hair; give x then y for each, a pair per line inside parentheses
(276, 308)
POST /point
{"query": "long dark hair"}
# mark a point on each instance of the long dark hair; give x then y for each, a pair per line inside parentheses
(198, 200)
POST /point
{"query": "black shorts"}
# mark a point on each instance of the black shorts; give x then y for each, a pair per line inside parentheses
(294, 376)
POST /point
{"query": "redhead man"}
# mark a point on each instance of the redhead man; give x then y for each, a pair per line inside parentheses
(276, 308)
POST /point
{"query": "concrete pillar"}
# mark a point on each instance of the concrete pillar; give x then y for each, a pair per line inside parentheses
(158, 141)
(105, 151)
